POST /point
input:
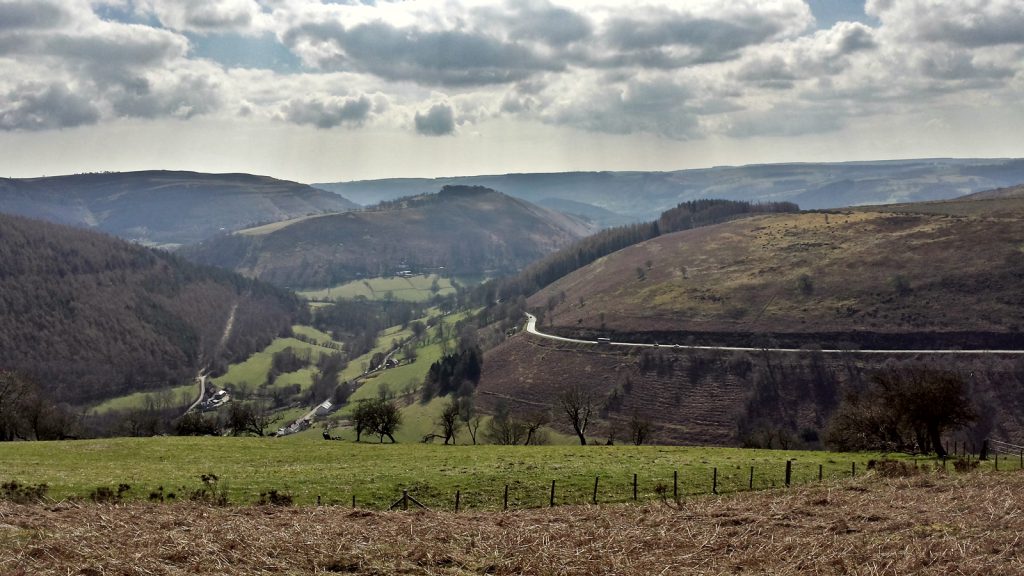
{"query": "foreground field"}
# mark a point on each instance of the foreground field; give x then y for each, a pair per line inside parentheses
(308, 467)
(929, 524)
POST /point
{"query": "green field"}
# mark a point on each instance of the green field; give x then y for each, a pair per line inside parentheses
(179, 395)
(413, 289)
(307, 466)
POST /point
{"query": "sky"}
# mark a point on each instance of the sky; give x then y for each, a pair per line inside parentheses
(324, 91)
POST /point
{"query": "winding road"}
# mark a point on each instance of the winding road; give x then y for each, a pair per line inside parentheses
(531, 327)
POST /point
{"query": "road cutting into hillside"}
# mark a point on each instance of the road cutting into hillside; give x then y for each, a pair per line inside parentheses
(531, 327)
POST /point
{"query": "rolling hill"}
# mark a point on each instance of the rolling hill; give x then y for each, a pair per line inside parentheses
(911, 270)
(643, 195)
(163, 207)
(465, 230)
(89, 317)
(934, 274)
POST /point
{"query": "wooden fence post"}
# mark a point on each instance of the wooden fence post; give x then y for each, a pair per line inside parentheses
(821, 474)
(594, 499)
(714, 481)
(997, 461)
(458, 494)
(634, 486)
(552, 501)
(318, 500)
(675, 485)
(853, 469)
(506, 496)
(353, 500)
(405, 499)
(789, 471)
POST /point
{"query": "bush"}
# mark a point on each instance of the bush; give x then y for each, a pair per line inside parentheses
(15, 491)
(274, 498)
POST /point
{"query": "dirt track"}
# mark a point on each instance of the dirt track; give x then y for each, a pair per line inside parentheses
(971, 524)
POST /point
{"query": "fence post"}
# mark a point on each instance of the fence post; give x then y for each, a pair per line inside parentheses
(353, 500)
(634, 486)
(821, 474)
(318, 500)
(789, 471)
(552, 501)
(506, 496)
(675, 485)
(714, 481)
(943, 463)
(594, 499)
(751, 486)
(458, 494)
(853, 469)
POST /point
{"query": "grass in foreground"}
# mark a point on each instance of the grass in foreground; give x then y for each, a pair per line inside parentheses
(932, 524)
(307, 466)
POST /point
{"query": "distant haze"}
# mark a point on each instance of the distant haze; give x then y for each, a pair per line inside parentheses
(326, 91)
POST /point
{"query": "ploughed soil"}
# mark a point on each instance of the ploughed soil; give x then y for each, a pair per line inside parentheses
(926, 523)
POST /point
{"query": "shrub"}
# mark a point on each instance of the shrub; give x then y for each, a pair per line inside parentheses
(275, 498)
(15, 491)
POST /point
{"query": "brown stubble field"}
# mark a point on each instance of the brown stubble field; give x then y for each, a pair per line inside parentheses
(921, 524)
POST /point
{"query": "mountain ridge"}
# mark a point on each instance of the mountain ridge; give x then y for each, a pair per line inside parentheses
(164, 207)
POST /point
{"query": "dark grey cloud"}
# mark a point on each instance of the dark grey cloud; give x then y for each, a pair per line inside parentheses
(438, 121)
(540, 21)
(660, 107)
(32, 15)
(182, 97)
(449, 57)
(654, 39)
(961, 65)
(352, 111)
(45, 107)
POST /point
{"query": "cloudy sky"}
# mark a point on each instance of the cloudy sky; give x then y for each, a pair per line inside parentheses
(319, 90)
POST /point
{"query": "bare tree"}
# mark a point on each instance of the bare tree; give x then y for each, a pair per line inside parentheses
(533, 424)
(449, 421)
(639, 429)
(578, 405)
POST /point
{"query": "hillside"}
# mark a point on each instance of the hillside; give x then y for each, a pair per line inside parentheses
(643, 195)
(857, 275)
(463, 230)
(163, 207)
(90, 317)
(937, 274)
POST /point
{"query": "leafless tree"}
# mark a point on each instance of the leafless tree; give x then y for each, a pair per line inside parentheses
(639, 429)
(578, 405)
(449, 421)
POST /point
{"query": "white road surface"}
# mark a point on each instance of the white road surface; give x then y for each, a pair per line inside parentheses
(531, 327)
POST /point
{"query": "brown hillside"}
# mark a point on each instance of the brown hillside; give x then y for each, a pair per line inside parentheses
(724, 398)
(920, 269)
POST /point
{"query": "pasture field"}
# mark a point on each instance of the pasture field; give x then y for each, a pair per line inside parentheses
(307, 466)
(413, 289)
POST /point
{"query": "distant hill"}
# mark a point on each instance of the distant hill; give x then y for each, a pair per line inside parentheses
(925, 268)
(644, 195)
(926, 275)
(163, 207)
(90, 317)
(465, 230)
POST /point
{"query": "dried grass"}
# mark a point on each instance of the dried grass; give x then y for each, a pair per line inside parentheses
(923, 524)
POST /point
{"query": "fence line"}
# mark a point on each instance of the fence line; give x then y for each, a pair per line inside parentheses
(761, 477)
